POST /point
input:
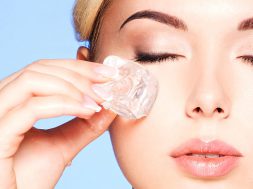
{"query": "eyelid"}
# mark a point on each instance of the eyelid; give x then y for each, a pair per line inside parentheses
(155, 57)
(247, 58)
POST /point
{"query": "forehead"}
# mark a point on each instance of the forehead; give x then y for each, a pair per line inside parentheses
(197, 14)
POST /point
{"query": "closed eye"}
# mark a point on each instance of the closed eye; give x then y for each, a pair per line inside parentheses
(150, 58)
(247, 58)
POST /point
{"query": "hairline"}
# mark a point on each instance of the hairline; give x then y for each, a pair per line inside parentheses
(96, 27)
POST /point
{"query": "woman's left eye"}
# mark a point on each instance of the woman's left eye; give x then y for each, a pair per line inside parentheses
(247, 59)
(155, 57)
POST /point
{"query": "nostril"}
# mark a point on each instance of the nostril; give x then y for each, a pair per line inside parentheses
(220, 110)
(197, 109)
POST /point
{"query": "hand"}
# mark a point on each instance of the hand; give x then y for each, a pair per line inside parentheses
(36, 158)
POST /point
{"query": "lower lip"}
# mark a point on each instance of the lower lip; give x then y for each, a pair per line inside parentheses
(207, 167)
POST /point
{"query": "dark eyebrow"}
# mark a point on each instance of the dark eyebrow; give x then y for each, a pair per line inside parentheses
(246, 25)
(159, 17)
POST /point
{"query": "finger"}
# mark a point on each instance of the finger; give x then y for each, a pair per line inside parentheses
(79, 81)
(88, 69)
(84, 68)
(8, 79)
(73, 136)
(32, 83)
(22, 118)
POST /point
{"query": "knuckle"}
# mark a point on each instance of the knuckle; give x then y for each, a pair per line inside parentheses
(64, 103)
(96, 127)
(75, 76)
(30, 67)
(33, 103)
(26, 76)
(34, 64)
(79, 96)
(40, 61)
(68, 87)
(72, 91)
(97, 130)
(30, 108)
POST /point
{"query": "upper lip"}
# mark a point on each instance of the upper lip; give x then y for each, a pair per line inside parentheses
(196, 146)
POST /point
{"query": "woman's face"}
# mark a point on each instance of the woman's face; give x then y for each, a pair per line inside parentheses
(208, 83)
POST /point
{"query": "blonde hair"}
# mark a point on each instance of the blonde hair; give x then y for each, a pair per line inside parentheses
(87, 17)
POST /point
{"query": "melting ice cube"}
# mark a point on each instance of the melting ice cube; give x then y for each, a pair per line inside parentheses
(134, 89)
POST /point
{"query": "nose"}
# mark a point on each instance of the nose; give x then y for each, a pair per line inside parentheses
(208, 99)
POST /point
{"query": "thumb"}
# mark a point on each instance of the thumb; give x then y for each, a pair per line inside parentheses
(74, 135)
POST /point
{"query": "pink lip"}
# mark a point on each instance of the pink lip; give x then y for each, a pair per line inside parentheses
(206, 167)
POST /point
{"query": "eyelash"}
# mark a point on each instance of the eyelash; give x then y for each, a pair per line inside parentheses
(248, 59)
(155, 57)
(161, 57)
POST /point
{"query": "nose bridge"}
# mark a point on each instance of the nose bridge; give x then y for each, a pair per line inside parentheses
(208, 52)
(207, 97)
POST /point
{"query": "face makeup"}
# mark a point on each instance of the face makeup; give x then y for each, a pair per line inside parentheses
(134, 89)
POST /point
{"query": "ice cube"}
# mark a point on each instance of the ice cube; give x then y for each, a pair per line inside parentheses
(134, 89)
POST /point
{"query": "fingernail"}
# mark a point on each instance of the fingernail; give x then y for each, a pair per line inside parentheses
(90, 103)
(101, 92)
(106, 71)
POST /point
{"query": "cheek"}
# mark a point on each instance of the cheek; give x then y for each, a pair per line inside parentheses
(143, 145)
(136, 145)
(138, 142)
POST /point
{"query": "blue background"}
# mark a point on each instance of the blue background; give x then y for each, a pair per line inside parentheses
(32, 30)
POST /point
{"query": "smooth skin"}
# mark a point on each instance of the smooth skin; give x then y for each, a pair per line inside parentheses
(33, 158)
(209, 73)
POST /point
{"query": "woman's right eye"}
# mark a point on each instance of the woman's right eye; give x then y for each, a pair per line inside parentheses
(144, 57)
(247, 58)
